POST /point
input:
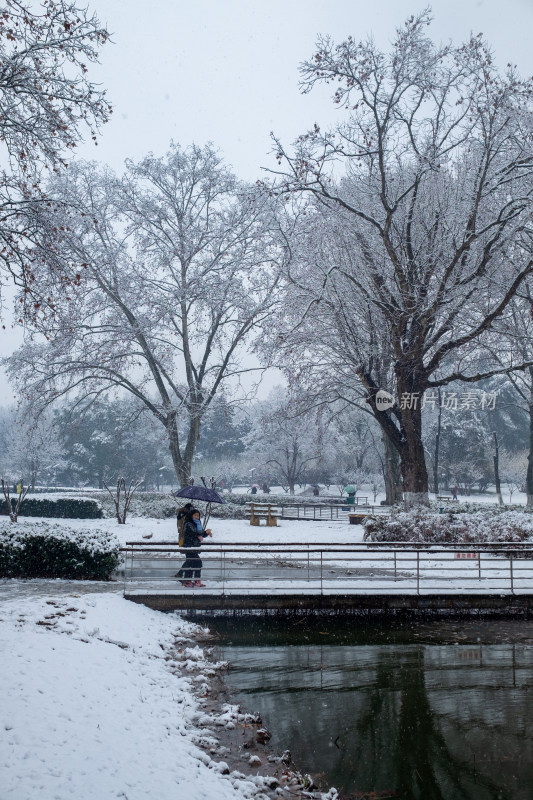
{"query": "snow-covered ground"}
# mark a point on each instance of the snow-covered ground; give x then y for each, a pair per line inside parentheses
(224, 530)
(518, 498)
(102, 698)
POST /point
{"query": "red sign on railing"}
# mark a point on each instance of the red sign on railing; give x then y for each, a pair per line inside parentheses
(467, 555)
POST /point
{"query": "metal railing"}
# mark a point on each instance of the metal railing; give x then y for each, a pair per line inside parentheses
(329, 512)
(323, 568)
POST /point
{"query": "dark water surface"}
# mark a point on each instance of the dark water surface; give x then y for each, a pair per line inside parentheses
(438, 710)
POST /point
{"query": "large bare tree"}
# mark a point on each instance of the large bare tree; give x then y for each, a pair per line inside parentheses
(419, 222)
(162, 278)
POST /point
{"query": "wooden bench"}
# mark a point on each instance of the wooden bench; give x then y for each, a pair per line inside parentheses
(266, 511)
(357, 519)
(445, 497)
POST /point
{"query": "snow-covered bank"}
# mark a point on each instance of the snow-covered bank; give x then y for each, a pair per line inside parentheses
(101, 699)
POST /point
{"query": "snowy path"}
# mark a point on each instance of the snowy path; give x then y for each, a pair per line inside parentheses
(101, 698)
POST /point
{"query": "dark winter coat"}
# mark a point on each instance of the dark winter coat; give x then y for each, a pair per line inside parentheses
(191, 535)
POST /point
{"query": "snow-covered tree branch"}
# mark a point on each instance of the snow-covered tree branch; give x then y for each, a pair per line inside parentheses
(161, 279)
(417, 232)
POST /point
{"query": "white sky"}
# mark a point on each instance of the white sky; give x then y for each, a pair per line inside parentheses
(226, 71)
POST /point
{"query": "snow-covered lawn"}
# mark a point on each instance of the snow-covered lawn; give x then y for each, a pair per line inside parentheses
(101, 699)
(224, 530)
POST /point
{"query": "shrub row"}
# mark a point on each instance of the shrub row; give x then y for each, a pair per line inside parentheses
(283, 499)
(62, 508)
(454, 527)
(42, 550)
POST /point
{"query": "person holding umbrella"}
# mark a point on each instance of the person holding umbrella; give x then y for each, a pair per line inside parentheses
(193, 536)
(201, 493)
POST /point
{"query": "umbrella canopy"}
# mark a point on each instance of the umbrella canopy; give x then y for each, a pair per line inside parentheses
(199, 493)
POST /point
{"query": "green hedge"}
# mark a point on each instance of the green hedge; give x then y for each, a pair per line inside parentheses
(40, 551)
(62, 508)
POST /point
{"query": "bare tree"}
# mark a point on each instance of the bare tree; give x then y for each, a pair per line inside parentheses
(46, 103)
(29, 446)
(287, 444)
(163, 278)
(515, 343)
(418, 230)
(13, 511)
(123, 497)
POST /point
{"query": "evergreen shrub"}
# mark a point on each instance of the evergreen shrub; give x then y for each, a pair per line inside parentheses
(44, 550)
(62, 508)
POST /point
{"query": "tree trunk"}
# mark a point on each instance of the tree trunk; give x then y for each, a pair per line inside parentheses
(412, 457)
(497, 470)
(529, 473)
(437, 450)
(391, 473)
(182, 461)
(407, 439)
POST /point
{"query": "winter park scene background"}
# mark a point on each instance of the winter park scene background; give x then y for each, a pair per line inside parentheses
(282, 253)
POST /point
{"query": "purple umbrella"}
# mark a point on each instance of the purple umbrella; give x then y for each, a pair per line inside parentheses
(199, 493)
(202, 493)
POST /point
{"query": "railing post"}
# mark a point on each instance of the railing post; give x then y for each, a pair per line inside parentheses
(321, 571)
(418, 571)
(395, 573)
(512, 576)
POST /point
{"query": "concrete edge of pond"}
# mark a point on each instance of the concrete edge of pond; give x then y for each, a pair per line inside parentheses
(335, 603)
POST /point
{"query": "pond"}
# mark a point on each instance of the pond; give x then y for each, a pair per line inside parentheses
(436, 710)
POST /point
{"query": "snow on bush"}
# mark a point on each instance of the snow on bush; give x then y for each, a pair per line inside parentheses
(46, 550)
(425, 526)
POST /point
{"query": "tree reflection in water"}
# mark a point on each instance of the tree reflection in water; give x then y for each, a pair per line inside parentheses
(413, 722)
(399, 741)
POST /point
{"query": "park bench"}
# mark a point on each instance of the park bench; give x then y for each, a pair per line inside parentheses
(445, 497)
(266, 511)
(357, 519)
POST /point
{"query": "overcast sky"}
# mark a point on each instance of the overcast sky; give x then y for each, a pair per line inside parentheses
(226, 71)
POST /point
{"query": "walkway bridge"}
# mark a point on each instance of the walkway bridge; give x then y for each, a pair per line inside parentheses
(318, 576)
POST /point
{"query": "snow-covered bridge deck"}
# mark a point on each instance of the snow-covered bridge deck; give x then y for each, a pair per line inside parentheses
(317, 576)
